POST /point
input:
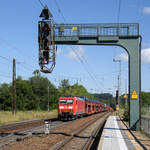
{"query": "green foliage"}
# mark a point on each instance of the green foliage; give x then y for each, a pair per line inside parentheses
(31, 94)
(5, 97)
(25, 95)
(145, 98)
(44, 90)
(106, 98)
(64, 83)
(143, 111)
(34, 94)
(126, 113)
(65, 89)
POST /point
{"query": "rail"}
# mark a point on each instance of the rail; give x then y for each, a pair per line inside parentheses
(90, 140)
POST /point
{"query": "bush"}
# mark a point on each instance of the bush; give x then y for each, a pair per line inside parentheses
(126, 114)
(143, 111)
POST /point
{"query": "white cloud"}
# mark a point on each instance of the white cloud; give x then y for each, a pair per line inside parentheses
(75, 53)
(145, 56)
(123, 56)
(146, 44)
(146, 10)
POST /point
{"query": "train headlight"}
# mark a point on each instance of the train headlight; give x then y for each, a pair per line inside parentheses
(61, 107)
(70, 107)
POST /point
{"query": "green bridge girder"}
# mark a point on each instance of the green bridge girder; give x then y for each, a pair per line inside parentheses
(125, 35)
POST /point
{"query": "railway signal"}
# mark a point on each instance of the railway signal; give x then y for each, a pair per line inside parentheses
(45, 35)
(46, 42)
(117, 94)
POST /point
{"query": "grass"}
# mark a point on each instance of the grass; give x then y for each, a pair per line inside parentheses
(145, 112)
(120, 112)
(7, 117)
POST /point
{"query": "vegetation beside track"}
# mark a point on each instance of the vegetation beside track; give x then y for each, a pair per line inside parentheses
(124, 113)
(36, 92)
(7, 117)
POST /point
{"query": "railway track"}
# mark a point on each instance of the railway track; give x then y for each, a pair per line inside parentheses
(20, 130)
(70, 134)
(83, 138)
(17, 126)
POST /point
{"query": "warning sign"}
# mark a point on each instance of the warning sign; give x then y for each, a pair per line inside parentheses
(134, 95)
(117, 107)
(74, 28)
(125, 96)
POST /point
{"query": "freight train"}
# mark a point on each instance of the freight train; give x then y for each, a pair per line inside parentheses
(74, 107)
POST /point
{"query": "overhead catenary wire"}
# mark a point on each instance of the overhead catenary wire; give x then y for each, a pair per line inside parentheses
(5, 62)
(13, 47)
(119, 7)
(10, 60)
(41, 3)
(85, 60)
(59, 10)
(76, 53)
(81, 61)
(5, 58)
(5, 76)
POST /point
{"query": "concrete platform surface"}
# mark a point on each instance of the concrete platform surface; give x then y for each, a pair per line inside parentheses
(114, 136)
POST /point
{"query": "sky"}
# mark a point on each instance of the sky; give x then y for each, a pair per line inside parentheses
(97, 71)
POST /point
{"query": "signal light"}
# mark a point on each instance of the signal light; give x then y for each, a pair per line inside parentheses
(46, 56)
(43, 57)
(45, 29)
(47, 51)
(45, 33)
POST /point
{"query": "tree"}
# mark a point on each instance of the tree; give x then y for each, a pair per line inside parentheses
(106, 98)
(36, 72)
(5, 97)
(64, 83)
(64, 87)
(145, 98)
(40, 87)
(26, 99)
(75, 90)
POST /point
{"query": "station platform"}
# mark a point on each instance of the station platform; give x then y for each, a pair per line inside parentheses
(116, 136)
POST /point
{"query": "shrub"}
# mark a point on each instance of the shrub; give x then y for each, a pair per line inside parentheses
(126, 114)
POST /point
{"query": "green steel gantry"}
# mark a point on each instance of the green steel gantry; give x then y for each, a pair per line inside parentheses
(125, 35)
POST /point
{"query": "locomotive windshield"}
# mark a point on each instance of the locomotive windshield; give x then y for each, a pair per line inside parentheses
(66, 101)
(70, 101)
(62, 101)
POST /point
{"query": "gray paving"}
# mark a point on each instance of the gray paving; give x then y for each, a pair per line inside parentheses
(114, 138)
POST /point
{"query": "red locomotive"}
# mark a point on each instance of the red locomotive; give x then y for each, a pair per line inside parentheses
(73, 107)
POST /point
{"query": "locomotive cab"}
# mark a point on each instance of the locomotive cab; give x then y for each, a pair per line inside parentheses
(65, 110)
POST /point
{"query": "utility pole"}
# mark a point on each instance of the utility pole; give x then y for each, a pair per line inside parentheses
(48, 100)
(119, 80)
(14, 88)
